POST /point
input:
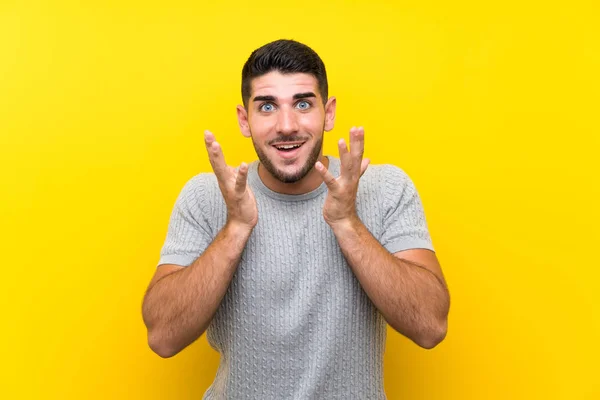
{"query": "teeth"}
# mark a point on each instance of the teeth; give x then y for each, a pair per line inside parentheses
(287, 147)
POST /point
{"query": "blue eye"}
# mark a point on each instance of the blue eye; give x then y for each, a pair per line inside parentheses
(267, 107)
(303, 105)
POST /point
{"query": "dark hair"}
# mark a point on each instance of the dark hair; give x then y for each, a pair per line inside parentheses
(287, 57)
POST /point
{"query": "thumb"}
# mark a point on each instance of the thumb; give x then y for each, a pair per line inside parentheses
(364, 165)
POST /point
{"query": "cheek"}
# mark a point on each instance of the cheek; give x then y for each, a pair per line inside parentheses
(261, 127)
(312, 123)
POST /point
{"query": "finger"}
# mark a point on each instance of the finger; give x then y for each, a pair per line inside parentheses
(329, 179)
(241, 178)
(345, 157)
(208, 138)
(364, 165)
(357, 144)
(217, 161)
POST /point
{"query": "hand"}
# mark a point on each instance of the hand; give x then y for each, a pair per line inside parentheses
(240, 201)
(340, 204)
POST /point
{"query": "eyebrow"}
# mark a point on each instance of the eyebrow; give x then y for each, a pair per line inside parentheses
(295, 97)
(304, 95)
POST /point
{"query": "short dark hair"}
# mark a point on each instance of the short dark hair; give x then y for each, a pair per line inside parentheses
(287, 57)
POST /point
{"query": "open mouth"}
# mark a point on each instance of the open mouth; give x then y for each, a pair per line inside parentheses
(288, 150)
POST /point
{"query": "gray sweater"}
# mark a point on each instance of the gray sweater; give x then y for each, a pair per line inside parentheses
(295, 322)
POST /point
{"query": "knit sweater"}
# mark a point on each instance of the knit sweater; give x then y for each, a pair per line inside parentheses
(295, 322)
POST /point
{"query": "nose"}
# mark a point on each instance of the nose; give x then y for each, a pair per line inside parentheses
(286, 122)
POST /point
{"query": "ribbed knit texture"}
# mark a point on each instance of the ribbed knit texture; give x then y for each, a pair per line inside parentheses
(295, 322)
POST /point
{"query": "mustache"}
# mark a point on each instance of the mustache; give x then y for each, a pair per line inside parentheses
(285, 139)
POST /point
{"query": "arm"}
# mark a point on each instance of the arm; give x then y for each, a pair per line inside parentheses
(407, 287)
(180, 302)
(412, 298)
(179, 305)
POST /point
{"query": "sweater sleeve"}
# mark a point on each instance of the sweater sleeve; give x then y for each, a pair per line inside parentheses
(189, 232)
(404, 224)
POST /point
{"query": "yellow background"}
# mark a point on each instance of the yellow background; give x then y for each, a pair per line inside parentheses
(492, 109)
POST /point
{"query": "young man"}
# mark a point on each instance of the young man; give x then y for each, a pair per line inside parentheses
(294, 264)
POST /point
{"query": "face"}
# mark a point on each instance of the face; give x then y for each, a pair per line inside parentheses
(286, 119)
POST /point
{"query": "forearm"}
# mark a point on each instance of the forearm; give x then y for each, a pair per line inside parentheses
(411, 298)
(179, 307)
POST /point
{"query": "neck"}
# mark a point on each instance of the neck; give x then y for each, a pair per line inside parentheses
(310, 182)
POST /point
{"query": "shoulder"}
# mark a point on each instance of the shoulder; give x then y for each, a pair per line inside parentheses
(199, 189)
(390, 185)
(375, 172)
(387, 172)
(202, 180)
(387, 178)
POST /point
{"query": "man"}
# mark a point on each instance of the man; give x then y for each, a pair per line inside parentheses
(294, 264)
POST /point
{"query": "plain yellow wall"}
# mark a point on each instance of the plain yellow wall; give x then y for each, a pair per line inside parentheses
(492, 109)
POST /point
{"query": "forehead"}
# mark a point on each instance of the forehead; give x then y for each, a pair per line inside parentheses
(284, 86)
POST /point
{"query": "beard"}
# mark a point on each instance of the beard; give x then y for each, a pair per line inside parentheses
(284, 177)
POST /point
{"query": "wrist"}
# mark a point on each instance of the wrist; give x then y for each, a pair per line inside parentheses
(345, 225)
(237, 228)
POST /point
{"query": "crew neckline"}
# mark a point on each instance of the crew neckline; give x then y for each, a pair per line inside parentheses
(256, 182)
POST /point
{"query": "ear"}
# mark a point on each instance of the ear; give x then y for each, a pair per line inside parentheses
(242, 116)
(330, 114)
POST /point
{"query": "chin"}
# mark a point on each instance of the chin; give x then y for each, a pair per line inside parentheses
(289, 175)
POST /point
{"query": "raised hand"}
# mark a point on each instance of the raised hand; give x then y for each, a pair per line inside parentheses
(240, 201)
(340, 204)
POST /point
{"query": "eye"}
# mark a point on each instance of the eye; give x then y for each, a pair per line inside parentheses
(267, 107)
(303, 105)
